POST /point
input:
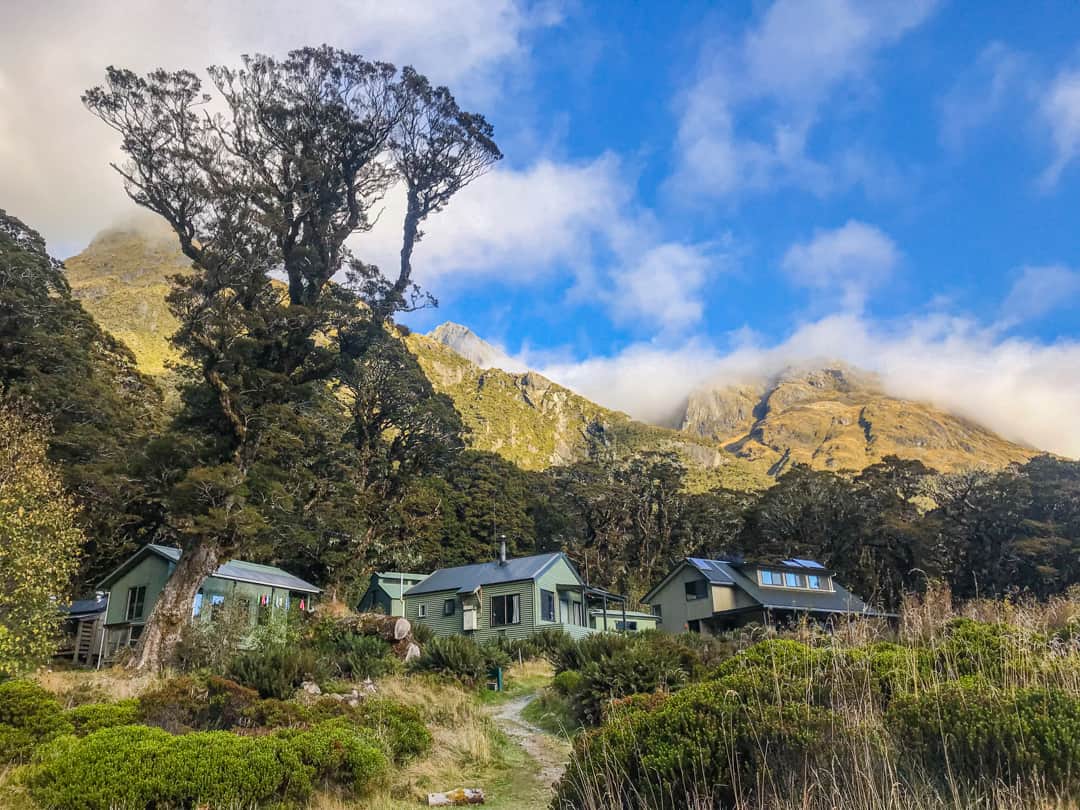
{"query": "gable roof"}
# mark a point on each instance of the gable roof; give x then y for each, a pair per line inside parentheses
(741, 575)
(235, 570)
(467, 578)
(389, 582)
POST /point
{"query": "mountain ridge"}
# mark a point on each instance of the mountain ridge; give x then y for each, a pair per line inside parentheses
(740, 433)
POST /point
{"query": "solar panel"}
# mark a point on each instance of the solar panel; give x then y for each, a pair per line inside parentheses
(809, 564)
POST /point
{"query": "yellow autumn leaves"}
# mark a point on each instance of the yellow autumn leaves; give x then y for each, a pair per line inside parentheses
(39, 542)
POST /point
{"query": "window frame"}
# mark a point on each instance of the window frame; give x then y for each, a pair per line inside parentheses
(136, 597)
(547, 605)
(700, 590)
(421, 611)
(510, 609)
(449, 607)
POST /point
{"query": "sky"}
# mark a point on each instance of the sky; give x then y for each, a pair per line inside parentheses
(691, 193)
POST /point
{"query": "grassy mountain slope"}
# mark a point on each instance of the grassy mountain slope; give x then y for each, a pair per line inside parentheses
(839, 418)
(831, 418)
(536, 423)
(122, 278)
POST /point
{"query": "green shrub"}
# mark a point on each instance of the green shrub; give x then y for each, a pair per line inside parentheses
(353, 656)
(692, 748)
(400, 727)
(567, 682)
(188, 703)
(138, 766)
(638, 668)
(274, 713)
(460, 657)
(335, 753)
(980, 734)
(978, 648)
(275, 670)
(29, 716)
(91, 717)
(422, 633)
(571, 654)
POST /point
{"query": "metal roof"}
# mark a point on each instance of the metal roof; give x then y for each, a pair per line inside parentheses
(389, 582)
(467, 578)
(723, 572)
(85, 607)
(235, 570)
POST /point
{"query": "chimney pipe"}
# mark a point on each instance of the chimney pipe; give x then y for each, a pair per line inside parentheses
(502, 549)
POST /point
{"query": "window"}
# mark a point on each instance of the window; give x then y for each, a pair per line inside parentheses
(217, 606)
(421, 611)
(506, 610)
(196, 609)
(631, 626)
(658, 611)
(547, 606)
(576, 617)
(694, 626)
(815, 582)
(698, 589)
(448, 607)
(136, 601)
(792, 580)
(772, 578)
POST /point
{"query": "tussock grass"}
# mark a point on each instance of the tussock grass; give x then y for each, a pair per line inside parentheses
(862, 764)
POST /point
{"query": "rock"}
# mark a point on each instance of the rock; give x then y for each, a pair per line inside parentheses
(310, 688)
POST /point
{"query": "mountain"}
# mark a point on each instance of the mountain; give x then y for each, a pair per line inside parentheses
(536, 423)
(464, 342)
(740, 433)
(838, 417)
(122, 278)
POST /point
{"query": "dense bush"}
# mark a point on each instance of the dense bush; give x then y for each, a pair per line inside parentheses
(275, 670)
(137, 766)
(461, 657)
(91, 717)
(566, 682)
(690, 749)
(352, 656)
(188, 703)
(983, 733)
(29, 715)
(575, 654)
(401, 728)
(638, 668)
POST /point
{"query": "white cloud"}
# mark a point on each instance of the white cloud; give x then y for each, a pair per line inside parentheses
(1024, 390)
(1059, 109)
(577, 219)
(999, 75)
(54, 155)
(663, 288)
(850, 260)
(522, 222)
(781, 71)
(1040, 290)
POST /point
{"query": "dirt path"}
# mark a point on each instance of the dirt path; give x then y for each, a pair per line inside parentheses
(549, 752)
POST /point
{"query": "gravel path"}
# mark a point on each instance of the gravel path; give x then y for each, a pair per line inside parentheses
(549, 752)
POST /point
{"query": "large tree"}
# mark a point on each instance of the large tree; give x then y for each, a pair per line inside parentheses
(293, 162)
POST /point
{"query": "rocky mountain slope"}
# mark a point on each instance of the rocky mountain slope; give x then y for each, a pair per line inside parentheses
(831, 417)
(536, 423)
(837, 417)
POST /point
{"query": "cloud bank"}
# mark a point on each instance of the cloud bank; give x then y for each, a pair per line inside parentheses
(1024, 390)
(54, 156)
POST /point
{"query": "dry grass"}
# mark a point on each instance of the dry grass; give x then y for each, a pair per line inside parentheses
(77, 686)
(866, 768)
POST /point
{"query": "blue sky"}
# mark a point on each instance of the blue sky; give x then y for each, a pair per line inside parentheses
(691, 192)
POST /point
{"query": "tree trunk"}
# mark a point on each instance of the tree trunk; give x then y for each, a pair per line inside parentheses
(174, 606)
(388, 628)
